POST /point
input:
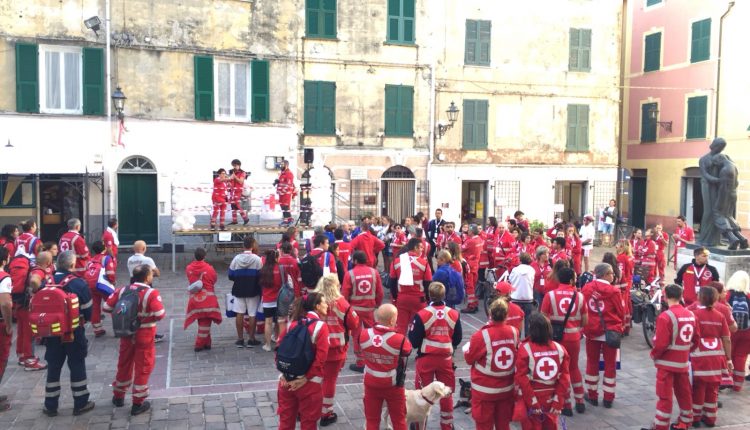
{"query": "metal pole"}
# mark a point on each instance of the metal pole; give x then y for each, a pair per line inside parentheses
(174, 245)
(107, 21)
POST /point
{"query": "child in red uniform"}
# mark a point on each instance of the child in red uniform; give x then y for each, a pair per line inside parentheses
(219, 199)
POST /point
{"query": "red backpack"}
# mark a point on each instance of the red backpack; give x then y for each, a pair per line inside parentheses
(54, 312)
(96, 277)
(19, 269)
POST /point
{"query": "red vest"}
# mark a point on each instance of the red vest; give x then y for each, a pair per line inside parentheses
(515, 316)
(361, 288)
(693, 279)
(380, 347)
(439, 322)
(559, 255)
(646, 252)
(236, 187)
(27, 244)
(420, 270)
(675, 329)
(543, 365)
(345, 252)
(505, 251)
(708, 360)
(73, 241)
(555, 306)
(540, 278)
(340, 320)
(492, 353)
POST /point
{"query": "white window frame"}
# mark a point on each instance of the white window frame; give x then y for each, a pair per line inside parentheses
(43, 49)
(232, 117)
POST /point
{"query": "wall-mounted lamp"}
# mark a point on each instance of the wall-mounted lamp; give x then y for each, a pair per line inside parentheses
(653, 115)
(94, 24)
(452, 118)
(118, 100)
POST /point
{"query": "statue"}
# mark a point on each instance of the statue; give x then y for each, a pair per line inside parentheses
(719, 189)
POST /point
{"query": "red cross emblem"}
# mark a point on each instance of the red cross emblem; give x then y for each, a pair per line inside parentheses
(440, 314)
(377, 340)
(64, 246)
(595, 304)
(686, 333)
(364, 287)
(564, 303)
(546, 368)
(504, 358)
(710, 343)
(271, 201)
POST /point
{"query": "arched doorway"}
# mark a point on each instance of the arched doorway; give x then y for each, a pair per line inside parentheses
(397, 193)
(137, 201)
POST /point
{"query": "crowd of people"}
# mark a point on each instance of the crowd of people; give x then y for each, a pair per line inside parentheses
(309, 307)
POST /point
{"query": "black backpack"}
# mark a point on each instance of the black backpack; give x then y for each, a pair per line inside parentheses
(584, 279)
(310, 269)
(125, 320)
(286, 294)
(296, 353)
(740, 310)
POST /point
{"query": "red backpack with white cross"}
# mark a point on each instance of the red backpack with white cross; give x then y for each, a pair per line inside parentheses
(54, 312)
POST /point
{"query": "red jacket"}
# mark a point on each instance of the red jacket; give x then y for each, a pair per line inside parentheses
(606, 297)
(573, 246)
(399, 240)
(203, 304)
(345, 252)
(492, 353)
(370, 245)
(368, 293)
(676, 334)
(291, 270)
(438, 323)
(559, 255)
(341, 321)
(109, 241)
(542, 375)
(471, 249)
(541, 275)
(219, 194)
(708, 359)
(10, 246)
(236, 185)
(93, 266)
(318, 252)
(686, 234)
(73, 240)
(555, 306)
(420, 271)
(444, 239)
(486, 257)
(661, 241)
(270, 293)
(381, 347)
(515, 316)
(319, 337)
(505, 251)
(626, 265)
(150, 304)
(646, 252)
(285, 187)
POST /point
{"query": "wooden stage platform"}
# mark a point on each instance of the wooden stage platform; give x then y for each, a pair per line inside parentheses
(234, 229)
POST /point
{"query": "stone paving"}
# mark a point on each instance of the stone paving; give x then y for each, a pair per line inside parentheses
(230, 388)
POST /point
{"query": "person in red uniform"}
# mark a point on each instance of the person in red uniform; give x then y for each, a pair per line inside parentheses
(286, 191)
(542, 270)
(203, 306)
(711, 358)
(101, 260)
(399, 239)
(491, 352)
(552, 280)
(515, 316)
(341, 320)
(604, 301)
(647, 255)
(237, 180)
(626, 266)
(368, 242)
(635, 244)
(320, 250)
(676, 334)
(6, 321)
(219, 199)
(738, 288)
(408, 291)
(486, 258)
(8, 239)
(696, 274)
(471, 249)
(364, 291)
(289, 263)
(110, 239)
(555, 306)
(661, 239)
(449, 235)
(558, 250)
(72, 240)
(542, 376)
(505, 257)
(137, 356)
(27, 243)
(384, 348)
(435, 333)
(345, 248)
(682, 236)
(574, 248)
(39, 274)
(303, 397)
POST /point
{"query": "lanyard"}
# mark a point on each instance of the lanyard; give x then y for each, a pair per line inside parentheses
(698, 275)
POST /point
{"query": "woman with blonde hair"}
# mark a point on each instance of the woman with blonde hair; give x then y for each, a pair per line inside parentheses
(341, 320)
(739, 299)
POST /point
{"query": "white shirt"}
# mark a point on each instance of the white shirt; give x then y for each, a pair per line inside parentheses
(137, 260)
(588, 233)
(6, 286)
(522, 280)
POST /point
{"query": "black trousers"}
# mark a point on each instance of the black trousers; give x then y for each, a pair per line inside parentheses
(58, 352)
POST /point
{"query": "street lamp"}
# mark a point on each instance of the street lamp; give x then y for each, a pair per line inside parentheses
(94, 24)
(653, 115)
(118, 100)
(452, 118)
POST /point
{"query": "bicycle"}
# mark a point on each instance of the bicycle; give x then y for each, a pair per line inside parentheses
(647, 305)
(491, 293)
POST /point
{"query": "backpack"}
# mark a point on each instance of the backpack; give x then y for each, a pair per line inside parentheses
(54, 312)
(584, 279)
(310, 269)
(296, 353)
(125, 320)
(740, 310)
(452, 295)
(96, 277)
(19, 269)
(286, 294)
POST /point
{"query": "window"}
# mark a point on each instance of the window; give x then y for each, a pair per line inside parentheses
(700, 47)
(478, 38)
(475, 124)
(401, 21)
(652, 2)
(17, 191)
(60, 79)
(696, 117)
(648, 125)
(578, 128)
(399, 110)
(231, 91)
(320, 108)
(580, 50)
(321, 18)
(231, 97)
(652, 53)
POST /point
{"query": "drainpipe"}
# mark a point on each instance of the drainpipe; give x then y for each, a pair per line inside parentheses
(108, 102)
(621, 146)
(431, 136)
(718, 70)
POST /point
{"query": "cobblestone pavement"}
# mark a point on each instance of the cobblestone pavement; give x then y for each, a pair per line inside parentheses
(235, 388)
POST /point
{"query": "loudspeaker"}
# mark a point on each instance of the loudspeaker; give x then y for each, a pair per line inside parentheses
(309, 155)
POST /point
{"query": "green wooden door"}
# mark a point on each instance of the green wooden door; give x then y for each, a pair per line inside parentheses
(137, 208)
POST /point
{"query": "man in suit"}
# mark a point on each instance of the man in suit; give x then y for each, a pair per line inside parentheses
(433, 229)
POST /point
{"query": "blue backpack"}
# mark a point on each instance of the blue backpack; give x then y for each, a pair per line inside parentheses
(296, 352)
(740, 310)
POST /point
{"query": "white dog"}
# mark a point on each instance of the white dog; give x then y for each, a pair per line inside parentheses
(419, 403)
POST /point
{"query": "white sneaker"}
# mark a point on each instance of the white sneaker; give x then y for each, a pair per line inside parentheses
(267, 348)
(273, 338)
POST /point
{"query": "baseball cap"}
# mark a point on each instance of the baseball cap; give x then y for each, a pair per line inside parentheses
(504, 288)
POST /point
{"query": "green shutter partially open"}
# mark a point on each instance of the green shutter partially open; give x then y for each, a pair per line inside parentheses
(700, 47)
(648, 125)
(260, 91)
(204, 87)
(27, 78)
(93, 81)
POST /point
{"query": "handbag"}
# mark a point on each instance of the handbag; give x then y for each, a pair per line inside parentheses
(197, 285)
(611, 338)
(401, 368)
(558, 329)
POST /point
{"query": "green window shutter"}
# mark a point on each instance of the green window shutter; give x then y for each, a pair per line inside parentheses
(259, 91)
(652, 2)
(391, 109)
(320, 18)
(406, 114)
(700, 47)
(584, 50)
(311, 107)
(408, 20)
(401, 15)
(482, 107)
(312, 18)
(475, 124)
(648, 126)
(652, 53)
(570, 142)
(27, 78)
(320, 108)
(478, 42)
(328, 108)
(93, 81)
(575, 41)
(697, 117)
(204, 87)
(578, 128)
(469, 138)
(470, 53)
(485, 40)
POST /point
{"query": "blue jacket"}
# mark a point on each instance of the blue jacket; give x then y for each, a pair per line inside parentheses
(451, 279)
(80, 288)
(245, 272)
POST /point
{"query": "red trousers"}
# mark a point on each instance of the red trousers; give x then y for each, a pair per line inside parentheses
(304, 402)
(366, 321)
(540, 422)
(661, 264)
(668, 384)
(407, 306)
(705, 400)
(395, 399)
(576, 380)
(577, 263)
(430, 368)
(203, 339)
(740, 351)
(135, 364)
(237, 207)
(24, 348)
(219, 208)
(471, 284)
(489, 415)
(627, 305)
(593, 349)
(331, 371)
(5, 341)
(96, 311)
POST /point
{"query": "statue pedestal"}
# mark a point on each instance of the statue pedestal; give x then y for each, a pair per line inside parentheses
(726, 262)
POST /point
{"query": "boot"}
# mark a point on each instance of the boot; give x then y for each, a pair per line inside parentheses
(470, 309)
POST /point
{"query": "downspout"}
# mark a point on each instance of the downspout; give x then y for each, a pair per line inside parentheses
(718, 70)
(431, 137)
(621, 146)
(107, 101)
